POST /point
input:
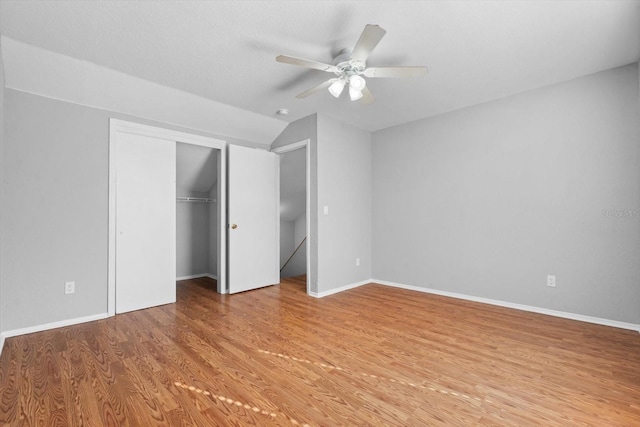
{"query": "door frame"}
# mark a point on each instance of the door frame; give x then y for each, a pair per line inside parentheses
(117, 126)
(305, 143)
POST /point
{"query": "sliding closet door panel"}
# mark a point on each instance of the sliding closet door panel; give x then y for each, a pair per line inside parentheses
(254, 217)
(145, 222)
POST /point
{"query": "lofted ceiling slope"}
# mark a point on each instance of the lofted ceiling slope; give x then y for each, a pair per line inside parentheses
(196, 169)
(225, 51)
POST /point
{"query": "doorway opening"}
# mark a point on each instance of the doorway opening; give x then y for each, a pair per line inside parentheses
(294, 213)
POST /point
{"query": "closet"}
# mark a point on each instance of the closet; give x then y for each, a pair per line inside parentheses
(196, 211)
(170, 196)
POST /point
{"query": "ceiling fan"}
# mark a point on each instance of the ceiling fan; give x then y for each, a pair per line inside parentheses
(350, 66)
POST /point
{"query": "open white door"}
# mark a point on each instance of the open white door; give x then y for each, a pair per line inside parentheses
(146, 222)
(254, 219)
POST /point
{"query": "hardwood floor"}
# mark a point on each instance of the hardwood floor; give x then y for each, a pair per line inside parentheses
(301, 281)
(369, 356)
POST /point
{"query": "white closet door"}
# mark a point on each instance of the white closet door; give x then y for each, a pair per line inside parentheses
(254, 219)
(145, 222)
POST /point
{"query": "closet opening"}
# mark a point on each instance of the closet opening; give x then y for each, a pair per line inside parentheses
(197, 239)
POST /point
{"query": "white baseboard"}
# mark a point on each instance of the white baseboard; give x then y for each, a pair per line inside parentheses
(1, 343)
(572, 316)
(53, 325)
(337, 290)
(197, 276)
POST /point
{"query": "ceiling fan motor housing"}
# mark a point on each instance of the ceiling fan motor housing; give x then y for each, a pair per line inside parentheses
(347, 66)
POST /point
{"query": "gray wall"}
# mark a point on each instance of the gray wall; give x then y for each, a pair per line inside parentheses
(488, 200)
(56, 184)
(341, 179)
(56, 227)
(193, 236)
(344, 185)
(485, 201)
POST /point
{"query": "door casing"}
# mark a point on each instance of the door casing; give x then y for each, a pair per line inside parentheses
(305, 143)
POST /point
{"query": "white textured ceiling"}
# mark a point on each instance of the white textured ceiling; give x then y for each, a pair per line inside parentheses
(476, 51)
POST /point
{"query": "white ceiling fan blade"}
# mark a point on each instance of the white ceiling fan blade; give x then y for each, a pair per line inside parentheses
(315, 89)
(307, 63)
(395, 71)
(369, 39)
(367, 97)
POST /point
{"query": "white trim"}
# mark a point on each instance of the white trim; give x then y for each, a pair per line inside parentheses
(121, 126)
(53, 325)
(340, 289)
(563, 314)
(111, 224)
(222, 220)
(290, 147)
(197, 276)
(307, 143)
(2, 337)
(161, 133)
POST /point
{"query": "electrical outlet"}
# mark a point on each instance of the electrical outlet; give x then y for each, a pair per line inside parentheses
(325, 210)
(69, 287)
(551, 281)
(357, 262)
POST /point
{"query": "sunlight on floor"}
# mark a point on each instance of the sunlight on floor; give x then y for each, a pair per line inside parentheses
(236, 403)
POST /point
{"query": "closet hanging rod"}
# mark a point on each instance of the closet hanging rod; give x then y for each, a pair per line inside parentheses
(195, 199)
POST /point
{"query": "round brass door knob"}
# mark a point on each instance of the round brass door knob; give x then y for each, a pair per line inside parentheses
(234, 226)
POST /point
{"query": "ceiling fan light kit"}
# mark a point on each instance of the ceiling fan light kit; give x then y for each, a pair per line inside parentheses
(357, 83)
(354, 94)
(350, 67)
(336, 87)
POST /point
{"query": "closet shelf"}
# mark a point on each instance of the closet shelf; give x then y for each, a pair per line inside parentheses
(195, 199)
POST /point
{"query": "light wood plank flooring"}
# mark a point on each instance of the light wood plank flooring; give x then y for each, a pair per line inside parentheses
(370, 356)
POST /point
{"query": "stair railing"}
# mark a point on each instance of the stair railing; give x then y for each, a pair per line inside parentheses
(294, 252)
